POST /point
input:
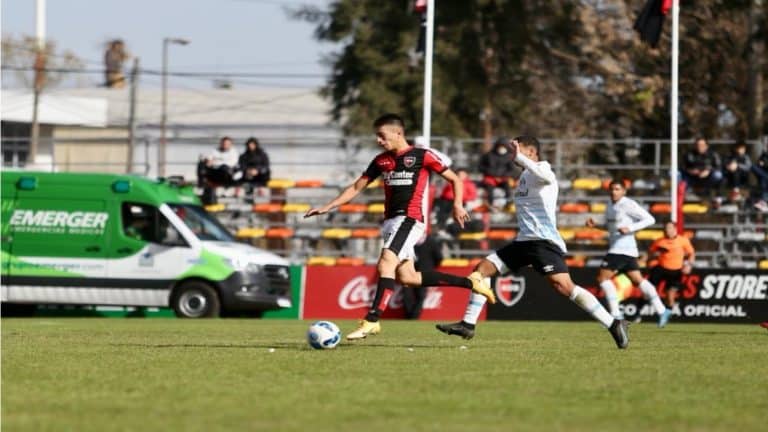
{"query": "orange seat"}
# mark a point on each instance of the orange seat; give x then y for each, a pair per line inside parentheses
(365, 233)
(577, 261)
(659, 208)
(268, 207)
(321, 260)
(590, 234)
(475, 261)
(482, 208)
(574, 208)
(501, 234)
(309, 183)
(281, 233)
(354, 261)
(353, 208)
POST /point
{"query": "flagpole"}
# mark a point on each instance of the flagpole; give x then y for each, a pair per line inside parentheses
(426, 126)
(673, 109)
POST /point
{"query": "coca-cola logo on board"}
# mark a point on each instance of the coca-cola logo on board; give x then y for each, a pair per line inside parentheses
(357, 293)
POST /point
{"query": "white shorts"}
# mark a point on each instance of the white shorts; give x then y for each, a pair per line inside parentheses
(400, 235)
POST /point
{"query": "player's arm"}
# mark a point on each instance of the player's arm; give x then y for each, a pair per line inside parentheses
(344, 197)
(654, 250)
(460, 215)
(642, 219)
(542, 171)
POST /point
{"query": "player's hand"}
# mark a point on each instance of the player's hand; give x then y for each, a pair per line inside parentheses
(687, 268)
(590, 223)
(460, 216)
(624, 230)
(514, 148)
(317, 211)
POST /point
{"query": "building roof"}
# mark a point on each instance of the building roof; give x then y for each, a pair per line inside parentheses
(59, 109)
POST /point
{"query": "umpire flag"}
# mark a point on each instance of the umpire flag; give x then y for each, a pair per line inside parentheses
(651, 20)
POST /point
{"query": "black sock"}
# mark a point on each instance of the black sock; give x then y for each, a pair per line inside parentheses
(435, 278)
(384, 290)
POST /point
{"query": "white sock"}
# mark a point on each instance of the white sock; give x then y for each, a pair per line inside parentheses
(474, 307)
(589, 303)
(610, 295)
(649, 291)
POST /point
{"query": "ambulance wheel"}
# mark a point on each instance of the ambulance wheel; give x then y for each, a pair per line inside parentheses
(195, 300)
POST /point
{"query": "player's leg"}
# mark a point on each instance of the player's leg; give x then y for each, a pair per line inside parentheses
(649, 292)
(564, 285)
(386, 268)
(407, 275)
(605, 279)
(466, 327)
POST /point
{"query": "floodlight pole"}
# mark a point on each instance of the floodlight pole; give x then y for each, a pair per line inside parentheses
(673, 170)
(426, 126)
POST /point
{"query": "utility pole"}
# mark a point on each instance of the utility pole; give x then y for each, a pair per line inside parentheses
(132, 116)
(161, 149)
(39, 80)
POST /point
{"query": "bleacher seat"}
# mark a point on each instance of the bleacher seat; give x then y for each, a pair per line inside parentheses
(279, 233)
(250, 233)
(213, 208)
(695, 208)
(374, 184)
(763, 265)
(564, 185)
(510, 208)
(472, 236)
(567, 234)
(337, 233)
(650, 234)
(575, 261)
(574, 208)
(353, 208)
(597, 207)
(296, 208)
(281, 184)
(354, 261)
(321, 260)
(309, 183)
(589, 184)
(365, 233)
(454, 262)
(661, 208)
(590, 234)
(268, 207)
(501, 234)
(376, 208)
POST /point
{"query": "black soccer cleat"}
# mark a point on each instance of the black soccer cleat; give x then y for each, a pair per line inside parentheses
(457, 329)
(619, 331)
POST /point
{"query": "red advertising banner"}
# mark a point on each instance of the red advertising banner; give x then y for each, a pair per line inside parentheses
(346, 292)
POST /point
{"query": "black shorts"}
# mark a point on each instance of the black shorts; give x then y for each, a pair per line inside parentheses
(673, 278)
(545, 257)
(619, 263)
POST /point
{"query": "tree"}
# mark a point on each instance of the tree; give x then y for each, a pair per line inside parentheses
(19, 52)
(569, 68)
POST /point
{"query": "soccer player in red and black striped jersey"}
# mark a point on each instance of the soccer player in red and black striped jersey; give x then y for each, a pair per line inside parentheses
(404, 170)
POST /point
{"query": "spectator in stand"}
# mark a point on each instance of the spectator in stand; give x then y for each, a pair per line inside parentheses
(254, 163)
(701, 168)
(497, 168)
(444, 202)
(737, 168)
(760, 170)
(217, 169)
(429, 254)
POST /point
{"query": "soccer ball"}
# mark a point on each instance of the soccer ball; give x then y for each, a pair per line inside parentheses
(323, 335)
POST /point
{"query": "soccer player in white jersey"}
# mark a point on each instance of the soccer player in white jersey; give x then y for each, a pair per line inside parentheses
(537, 244)
(623, 217)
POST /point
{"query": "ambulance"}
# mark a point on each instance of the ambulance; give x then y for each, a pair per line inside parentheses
(121, 240)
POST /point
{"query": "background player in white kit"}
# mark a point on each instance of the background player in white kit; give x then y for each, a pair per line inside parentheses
(537, 244)
(623, 218)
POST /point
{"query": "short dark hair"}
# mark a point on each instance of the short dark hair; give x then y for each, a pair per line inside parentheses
(252, 140)
(617, 182)
(389, 119)
(530, 141)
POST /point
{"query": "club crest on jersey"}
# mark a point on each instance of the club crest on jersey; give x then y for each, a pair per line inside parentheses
(510, 289)
(409, 161)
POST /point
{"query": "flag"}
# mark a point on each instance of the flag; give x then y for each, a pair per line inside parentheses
(651, 20)
(420, 7)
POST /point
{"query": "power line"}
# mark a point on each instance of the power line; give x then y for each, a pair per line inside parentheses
(177, 74)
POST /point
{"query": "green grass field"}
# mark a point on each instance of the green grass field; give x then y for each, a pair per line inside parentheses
(167, 374)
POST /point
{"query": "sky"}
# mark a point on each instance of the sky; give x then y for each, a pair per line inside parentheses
(251, 36)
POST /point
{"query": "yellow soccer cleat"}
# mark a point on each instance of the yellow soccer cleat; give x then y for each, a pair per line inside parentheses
(364, 329)
(479, 286)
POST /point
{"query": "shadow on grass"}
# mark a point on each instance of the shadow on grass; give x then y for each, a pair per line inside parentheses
(301, 346)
